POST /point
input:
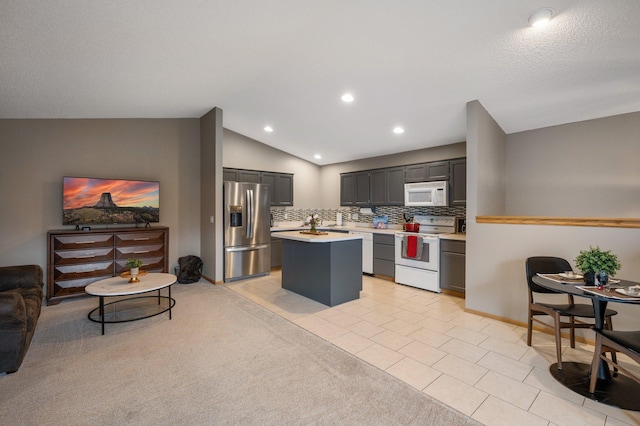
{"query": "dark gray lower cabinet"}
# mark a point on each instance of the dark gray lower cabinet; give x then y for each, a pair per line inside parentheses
(276, 252)
(384, 255)
(329, 272)
(452, 267)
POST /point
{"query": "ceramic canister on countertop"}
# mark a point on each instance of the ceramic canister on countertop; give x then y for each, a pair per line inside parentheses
(339, 219)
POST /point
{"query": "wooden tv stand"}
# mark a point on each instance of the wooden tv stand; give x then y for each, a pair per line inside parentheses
(78, 258)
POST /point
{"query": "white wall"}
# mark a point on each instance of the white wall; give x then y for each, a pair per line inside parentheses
(486, 188)
(589, 168)
(241, 152)
(36, 154)
(496, 253)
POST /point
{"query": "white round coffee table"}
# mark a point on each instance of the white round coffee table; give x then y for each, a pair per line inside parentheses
(131, 308)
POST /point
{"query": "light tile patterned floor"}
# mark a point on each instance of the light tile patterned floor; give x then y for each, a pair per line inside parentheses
(477, 365)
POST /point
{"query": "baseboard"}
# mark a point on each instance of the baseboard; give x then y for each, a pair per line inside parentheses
(212, 281)
(383, 277)
(524, 324)
(452, 293)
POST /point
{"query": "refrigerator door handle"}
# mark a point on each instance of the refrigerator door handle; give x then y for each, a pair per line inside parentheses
(260, 247)
(250, 223)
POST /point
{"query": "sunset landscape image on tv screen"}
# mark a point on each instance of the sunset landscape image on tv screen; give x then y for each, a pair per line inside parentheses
(109, 201)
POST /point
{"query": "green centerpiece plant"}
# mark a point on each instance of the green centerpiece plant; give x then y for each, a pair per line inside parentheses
(314, 221)
(595, 260)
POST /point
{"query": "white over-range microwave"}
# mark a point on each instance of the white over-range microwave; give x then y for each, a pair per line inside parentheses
(426, 194)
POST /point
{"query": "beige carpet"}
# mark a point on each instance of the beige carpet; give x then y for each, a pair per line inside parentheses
(221, 360)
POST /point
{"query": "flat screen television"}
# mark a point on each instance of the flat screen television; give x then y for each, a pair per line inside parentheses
(96, 201)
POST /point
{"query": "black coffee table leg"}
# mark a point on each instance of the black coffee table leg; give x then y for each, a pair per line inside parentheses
(102, 313)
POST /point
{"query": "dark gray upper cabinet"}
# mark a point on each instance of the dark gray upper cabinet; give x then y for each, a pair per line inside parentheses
(377, 186)
(387, 187)
(415, 173)
(230, 175)
(248, 176)
(395, 186)
(347, 189)
(280, 188)
(437, 170)
(240, 175)
(458, 183)
(362, 188)
(280, 184)
(354, 189)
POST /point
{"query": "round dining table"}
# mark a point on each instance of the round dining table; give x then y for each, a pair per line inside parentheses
(612, 389)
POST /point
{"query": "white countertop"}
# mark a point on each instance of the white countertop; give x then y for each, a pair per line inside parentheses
(329, 237)
(277, 230)
(456, 237)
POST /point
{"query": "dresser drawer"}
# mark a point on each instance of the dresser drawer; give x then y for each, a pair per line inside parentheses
(89, 270)
(140, 251)
(73, 287)
(79, 241)
(127, 239)
(72, 257)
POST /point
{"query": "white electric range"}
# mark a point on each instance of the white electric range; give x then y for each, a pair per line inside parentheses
(423, 270)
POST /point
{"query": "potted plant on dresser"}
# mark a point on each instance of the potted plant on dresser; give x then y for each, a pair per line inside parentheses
(594, 261)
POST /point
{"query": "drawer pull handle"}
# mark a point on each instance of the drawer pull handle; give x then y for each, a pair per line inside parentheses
(86, 257)
(140, 252)
(141, 239)
(85, 242)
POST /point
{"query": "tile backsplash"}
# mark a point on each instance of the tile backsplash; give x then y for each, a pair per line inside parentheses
(394, 213)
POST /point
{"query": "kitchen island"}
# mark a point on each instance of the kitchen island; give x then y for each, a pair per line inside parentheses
(326, 268)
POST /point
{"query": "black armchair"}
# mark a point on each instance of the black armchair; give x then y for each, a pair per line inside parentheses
(20, 305)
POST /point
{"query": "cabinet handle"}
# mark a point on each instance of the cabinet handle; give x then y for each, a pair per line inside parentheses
(141, 239)
(140, 252)
(86, 257)
(85, 242)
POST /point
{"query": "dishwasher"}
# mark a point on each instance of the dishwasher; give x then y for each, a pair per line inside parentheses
(367, 250)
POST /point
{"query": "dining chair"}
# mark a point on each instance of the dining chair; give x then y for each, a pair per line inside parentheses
(571, 310)
(626, 342)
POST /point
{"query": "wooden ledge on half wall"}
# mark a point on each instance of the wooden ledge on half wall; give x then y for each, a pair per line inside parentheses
(606, 222)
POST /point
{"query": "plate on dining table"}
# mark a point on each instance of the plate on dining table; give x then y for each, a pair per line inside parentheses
(570, 277)
(626, 292)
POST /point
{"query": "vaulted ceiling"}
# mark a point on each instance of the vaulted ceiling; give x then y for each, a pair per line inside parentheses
(286, 63)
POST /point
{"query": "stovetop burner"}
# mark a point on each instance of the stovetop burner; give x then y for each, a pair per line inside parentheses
(434, 225)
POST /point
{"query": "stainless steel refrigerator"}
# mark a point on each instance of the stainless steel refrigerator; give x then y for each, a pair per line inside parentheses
(247, 233)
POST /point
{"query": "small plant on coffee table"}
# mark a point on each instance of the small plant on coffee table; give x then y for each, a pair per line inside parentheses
(132, 263)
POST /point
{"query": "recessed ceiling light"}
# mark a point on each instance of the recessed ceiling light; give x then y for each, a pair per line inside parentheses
(398, 130)
(268, 129)
(317, 157)
(540, 17)
(347, 97)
